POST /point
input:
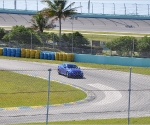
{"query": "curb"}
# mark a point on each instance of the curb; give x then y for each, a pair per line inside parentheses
(90, 96)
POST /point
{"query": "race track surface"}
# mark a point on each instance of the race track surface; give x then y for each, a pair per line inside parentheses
(110, 89)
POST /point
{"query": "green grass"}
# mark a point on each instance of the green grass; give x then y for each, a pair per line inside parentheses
(102, 36)
(97, 32)
(22, 90)
(117, 121)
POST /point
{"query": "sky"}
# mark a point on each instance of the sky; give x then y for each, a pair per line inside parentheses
(141, 7)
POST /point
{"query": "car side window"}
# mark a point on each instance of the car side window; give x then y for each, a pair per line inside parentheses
(64, 65)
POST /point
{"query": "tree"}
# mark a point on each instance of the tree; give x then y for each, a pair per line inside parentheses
(123, 45)
(58, 9)
(78, 39)
(22, 35)
(2, 33)
(144, 46)
(40, 22)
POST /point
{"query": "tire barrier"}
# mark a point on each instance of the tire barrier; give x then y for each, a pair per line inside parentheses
(41, 55)
(64, 56)
(13, 52)
(70, 57)
(61, 56)
(56, 56)
(29, 53)
(5, 51)
(32, 53)
(23, 53)
(18, 52)
(37, 54)
(8, 51)
(47, 55)
(1, 51)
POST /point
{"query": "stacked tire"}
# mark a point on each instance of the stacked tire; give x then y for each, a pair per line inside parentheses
(70, 57)
(64, 56)
(57, 56)
(37, 54)
(23, 53)
(13, 52)
(18, 52)
(1, 51)
(27, 53)
(32, 53)
(61, 56)
(47, 55)
(8, 51)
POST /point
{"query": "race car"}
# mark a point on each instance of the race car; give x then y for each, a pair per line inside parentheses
(70, 70)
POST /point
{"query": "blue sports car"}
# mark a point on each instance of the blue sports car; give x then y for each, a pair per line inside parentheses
(70, 70)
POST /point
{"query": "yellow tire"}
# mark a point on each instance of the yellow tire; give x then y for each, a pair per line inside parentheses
(1, 51)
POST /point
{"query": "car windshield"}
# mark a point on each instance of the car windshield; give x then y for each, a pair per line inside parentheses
(72, 66)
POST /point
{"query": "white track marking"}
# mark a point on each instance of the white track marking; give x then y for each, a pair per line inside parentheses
(110, 96)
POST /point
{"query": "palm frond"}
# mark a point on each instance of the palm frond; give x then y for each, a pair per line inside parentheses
(50, 4)
(69, 6)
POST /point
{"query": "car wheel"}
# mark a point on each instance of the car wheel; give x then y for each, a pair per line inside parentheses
(59, 72)
(67, 74)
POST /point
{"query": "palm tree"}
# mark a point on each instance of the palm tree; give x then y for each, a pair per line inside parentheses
(40, 22)
(58, 9)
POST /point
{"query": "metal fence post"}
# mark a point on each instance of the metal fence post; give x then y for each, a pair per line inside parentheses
(72, 33)
(31, 40)
(48, 96)
(129, 96)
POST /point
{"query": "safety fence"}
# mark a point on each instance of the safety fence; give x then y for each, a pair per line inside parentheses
(36, 91)
(80, 43)
(94, 44)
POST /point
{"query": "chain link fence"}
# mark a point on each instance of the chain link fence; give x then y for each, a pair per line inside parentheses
(111, 93)
(76, 43)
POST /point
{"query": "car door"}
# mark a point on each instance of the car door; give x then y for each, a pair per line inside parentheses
(64, 69)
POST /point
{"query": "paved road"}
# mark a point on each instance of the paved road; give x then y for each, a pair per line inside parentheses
(109, 87)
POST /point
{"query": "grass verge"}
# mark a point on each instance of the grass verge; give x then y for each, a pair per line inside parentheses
(117, 121)
(22, 90)
(102, 36)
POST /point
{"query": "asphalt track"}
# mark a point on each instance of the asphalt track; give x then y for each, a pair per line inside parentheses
(109, 89)
(87, 24)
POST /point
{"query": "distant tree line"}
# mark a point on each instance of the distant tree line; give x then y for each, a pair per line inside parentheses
(23, 35)
(127, 45)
